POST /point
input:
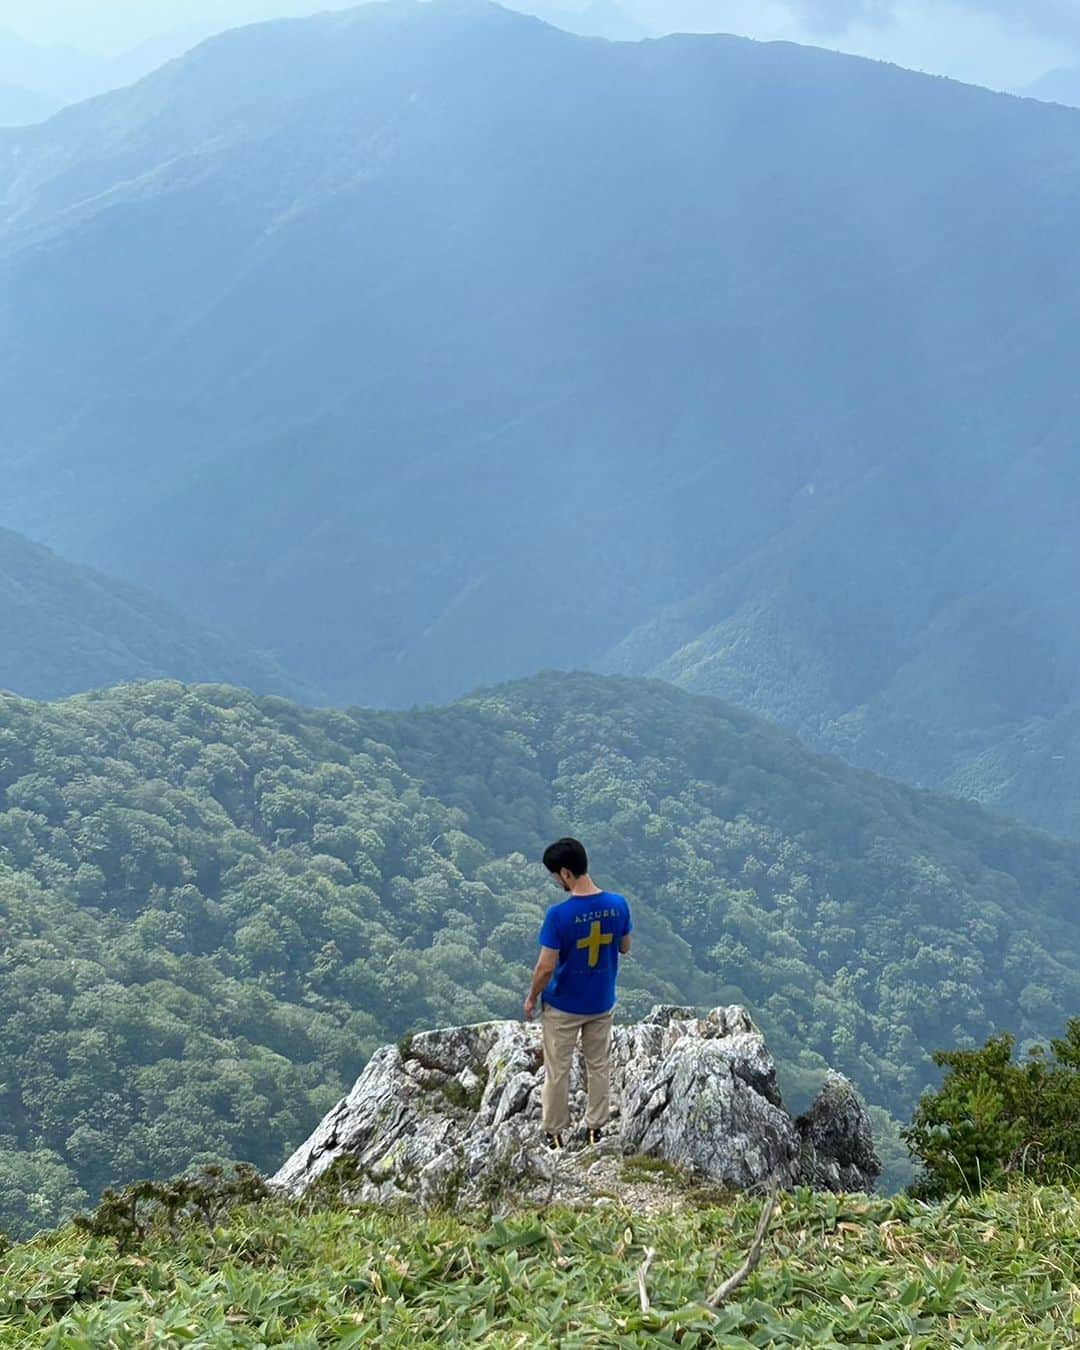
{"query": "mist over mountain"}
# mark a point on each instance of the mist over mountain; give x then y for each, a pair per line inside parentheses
(66, 628)
(20, 107)
(428, 345)
(55, 70)
(37, 79)
(1057, 86)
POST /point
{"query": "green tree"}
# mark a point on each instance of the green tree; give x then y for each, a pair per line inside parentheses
(996, 1117)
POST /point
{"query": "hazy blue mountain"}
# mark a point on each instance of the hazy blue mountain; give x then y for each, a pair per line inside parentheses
(427, 344)
(148, 55)
(19, 106)
(60, 72)
(1057, 86)
(38, 79)
(64, 629)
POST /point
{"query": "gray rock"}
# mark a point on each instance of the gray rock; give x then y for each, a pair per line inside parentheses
(837, 1142)
(699, 1112)
(453, 1116)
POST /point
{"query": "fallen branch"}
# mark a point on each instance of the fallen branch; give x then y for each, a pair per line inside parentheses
(643, 1271)
(752, 1257)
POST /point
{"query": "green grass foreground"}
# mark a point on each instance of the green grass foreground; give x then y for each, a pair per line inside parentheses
(997, 1270)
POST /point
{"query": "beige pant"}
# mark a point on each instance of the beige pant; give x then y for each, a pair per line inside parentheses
(560, 1040)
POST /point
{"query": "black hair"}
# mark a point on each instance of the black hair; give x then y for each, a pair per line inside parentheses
(568, 853)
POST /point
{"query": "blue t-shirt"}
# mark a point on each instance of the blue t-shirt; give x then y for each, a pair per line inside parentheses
(586, 931)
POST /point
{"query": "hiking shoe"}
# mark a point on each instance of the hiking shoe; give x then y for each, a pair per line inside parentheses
(553, 1141)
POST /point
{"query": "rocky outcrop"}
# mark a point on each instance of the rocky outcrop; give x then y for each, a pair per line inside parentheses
(455, 1113)
(837, 1141)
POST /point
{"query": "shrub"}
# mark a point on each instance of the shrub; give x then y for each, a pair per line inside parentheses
(133, 1213)
(994, 1117)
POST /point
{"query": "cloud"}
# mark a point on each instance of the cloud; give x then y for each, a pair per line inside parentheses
(1049, 18)
(771, 17)
(1055, 18)
(836, 16)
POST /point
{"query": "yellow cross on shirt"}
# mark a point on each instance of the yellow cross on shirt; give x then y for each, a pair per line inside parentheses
(594, 942)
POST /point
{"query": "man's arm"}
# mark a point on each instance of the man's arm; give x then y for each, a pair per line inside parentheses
(542, 973)
(624, 945)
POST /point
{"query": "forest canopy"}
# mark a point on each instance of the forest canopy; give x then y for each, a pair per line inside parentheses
(214, 907)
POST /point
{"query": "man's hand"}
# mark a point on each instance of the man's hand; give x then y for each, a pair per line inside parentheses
(545, 968)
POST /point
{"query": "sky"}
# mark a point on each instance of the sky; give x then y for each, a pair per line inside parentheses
(1003, 43)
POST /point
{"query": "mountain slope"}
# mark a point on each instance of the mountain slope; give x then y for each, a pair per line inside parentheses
(215, 906)
(67, 628)
(919, 628)
(746, 364)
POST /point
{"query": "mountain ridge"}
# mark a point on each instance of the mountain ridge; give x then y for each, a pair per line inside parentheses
(745, 362)
(68, 628)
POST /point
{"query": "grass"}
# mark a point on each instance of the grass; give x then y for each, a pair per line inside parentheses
(994, 1271)
(642, 1168)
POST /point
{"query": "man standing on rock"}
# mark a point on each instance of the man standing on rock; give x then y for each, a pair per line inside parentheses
(580, 944)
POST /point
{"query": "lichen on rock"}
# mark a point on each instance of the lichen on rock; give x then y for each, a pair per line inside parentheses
(453, 1115)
